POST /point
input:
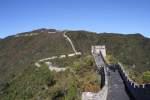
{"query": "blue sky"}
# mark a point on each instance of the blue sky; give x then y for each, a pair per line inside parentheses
(121, 16)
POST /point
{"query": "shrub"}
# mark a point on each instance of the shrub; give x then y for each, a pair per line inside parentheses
(146, 77)
(83, 63)
(72, 91)
(91, 88)
(111, 59)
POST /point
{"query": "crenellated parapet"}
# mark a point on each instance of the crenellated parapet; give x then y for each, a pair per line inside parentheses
(137, 91)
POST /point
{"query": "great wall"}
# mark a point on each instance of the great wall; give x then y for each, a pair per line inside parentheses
(97, 52)
(137, 91)
(125, 89)
(48, 63)
(116, 84)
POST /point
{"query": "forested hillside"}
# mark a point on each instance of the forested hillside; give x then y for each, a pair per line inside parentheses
(21, 79)
(19, 53)
(16, 53)
(133, 50)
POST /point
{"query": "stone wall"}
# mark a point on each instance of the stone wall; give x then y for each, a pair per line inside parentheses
(137, 91)
(56, 57)
(102, 94)
(99, 48)
(26, 35)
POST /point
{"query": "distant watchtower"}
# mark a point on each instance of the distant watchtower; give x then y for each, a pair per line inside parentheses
(99, 48)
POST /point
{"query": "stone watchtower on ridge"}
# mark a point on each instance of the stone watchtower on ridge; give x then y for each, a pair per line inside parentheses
(99, 48)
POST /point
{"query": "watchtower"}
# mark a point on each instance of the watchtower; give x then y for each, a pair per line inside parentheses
(99, 48)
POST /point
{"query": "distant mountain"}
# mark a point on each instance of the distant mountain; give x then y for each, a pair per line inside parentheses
(21, 79)
(36, 32)
(131, 49)
(44, 30)
(19, 52)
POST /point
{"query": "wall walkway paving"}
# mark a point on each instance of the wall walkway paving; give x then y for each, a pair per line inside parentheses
(116, 89)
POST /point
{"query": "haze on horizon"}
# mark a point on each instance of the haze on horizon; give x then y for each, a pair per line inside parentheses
(118, 16)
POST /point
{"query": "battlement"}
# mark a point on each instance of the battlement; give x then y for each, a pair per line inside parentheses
(137, 91)
(99, 48)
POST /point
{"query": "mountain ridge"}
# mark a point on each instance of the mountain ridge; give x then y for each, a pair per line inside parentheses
(45, 30)
(29, 49)
(19, 53)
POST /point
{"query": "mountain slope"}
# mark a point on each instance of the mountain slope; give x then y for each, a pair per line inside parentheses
(131, 49)
(16, 53)
(83, 40)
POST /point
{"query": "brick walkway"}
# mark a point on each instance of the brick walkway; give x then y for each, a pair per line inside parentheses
(116, 89)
